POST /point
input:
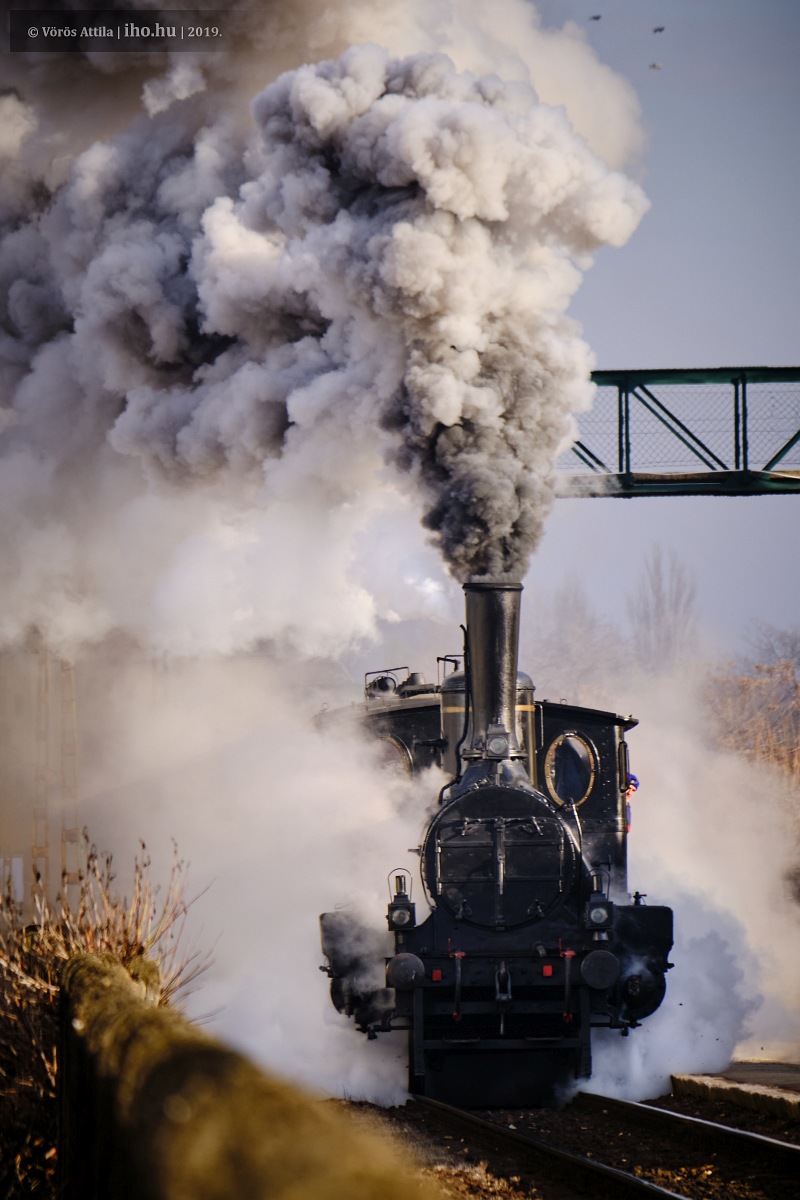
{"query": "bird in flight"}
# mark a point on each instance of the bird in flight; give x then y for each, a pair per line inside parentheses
(655, 66)
(596, 17)
(659, 29)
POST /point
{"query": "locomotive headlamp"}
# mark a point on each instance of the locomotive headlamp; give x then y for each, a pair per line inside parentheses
(401, 914)
(497, 745)
(599, 913)
(498, 742)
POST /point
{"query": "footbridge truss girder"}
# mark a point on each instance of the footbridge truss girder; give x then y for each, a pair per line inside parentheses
(720, 431)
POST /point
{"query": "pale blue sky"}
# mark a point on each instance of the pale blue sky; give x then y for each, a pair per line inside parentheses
(710, 278)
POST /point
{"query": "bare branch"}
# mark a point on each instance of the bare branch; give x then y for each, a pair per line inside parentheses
(30, 954)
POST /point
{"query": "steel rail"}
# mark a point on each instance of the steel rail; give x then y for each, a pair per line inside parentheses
(616, 1183)
(783, 1155)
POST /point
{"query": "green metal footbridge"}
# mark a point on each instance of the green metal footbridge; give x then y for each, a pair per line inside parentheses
(723, 431)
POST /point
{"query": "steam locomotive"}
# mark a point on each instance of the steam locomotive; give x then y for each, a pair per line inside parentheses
(529, 938)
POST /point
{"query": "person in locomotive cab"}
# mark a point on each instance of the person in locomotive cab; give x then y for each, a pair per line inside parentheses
(633, 787)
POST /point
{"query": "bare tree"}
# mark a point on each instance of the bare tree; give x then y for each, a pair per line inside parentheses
(570, 648)
(772, 645)
(662, 611)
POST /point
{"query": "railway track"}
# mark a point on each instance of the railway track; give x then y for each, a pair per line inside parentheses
(710, 1135)
(548, 1163)
(698, 1159)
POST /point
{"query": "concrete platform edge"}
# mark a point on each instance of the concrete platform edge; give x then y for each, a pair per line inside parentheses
(762, 1099)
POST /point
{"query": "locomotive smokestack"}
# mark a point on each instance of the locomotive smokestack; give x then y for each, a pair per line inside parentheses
(492, 647)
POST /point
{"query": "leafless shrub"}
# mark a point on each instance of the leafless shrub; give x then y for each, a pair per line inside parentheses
(755, 711)
(757, 714)
(146, 927)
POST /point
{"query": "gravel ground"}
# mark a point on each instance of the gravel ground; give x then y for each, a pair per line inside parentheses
(462, 1168)
(725, 1112)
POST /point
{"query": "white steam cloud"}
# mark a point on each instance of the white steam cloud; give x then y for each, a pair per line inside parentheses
(235, 335)
(713, 836)
(279, 822)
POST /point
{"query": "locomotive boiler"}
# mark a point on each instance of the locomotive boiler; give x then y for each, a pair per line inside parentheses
(527, 938)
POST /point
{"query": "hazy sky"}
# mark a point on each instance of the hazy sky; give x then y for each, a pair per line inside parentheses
(709, 279)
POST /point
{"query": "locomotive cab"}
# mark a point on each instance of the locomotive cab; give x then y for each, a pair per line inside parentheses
(529, 938)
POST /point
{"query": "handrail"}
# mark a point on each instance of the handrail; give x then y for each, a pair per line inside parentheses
(152, 1108)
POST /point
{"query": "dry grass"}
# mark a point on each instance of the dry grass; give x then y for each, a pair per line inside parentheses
(148, 925)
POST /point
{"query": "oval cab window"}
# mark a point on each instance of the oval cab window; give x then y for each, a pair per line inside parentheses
(395, 755)
(570, 767)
